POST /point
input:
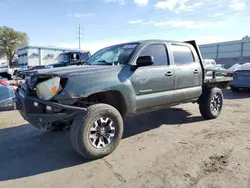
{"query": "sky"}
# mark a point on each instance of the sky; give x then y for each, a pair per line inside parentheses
(106, 22)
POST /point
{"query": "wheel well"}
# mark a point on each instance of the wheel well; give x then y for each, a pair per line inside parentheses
(113, 98)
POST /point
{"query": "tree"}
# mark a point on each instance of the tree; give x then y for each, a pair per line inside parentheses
(10, 41)
(246, 37)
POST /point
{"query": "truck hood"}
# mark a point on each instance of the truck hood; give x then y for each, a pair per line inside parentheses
(78, 70)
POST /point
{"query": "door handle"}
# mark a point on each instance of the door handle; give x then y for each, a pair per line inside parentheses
(169, 73)
(196, 71)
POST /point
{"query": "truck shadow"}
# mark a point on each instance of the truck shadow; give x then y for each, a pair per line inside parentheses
(27, 151)
(148, 121)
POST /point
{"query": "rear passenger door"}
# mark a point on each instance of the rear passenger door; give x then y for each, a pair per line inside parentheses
(188, 72)
(154, 84)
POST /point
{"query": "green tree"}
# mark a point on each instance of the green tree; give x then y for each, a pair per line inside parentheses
(246, 37)
(10, 41)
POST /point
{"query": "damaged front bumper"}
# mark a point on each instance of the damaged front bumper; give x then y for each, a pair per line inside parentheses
(41, 113)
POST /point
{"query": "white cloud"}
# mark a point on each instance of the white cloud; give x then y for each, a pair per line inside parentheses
(78, 14)
(75, 1)
(120, 2)
(135, 21)
(191, 7)
(218, 14)
(179, 23)
(141, 2)
(175, 23)
(168, 4)
(215, 15)
(237, 5)
(178, 5)
(91, 46)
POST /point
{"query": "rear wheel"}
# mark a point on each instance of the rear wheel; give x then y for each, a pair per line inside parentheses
(98, 132)
(211, 103)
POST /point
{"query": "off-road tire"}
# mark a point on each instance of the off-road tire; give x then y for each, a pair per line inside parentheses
(205, 103)
(79, 133)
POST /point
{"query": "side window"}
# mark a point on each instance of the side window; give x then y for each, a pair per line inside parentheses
(182, 54)
(158, 51)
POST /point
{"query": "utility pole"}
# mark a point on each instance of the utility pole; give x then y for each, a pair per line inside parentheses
(80, 35)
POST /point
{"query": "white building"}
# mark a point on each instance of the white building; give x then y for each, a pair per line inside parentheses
(3, 60)
(227, 53)
(29, 56)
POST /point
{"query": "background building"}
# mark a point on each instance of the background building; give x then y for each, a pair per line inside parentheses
(36, 55)
(227, 53)
(3, 60)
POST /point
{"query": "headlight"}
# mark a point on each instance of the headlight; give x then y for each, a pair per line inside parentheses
(48, 89)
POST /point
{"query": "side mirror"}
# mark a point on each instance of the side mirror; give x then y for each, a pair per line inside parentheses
(144, 61)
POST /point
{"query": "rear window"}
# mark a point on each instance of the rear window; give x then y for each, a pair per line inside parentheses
(182, 54)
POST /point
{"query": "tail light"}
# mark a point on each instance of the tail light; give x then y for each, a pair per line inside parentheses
(4, 83)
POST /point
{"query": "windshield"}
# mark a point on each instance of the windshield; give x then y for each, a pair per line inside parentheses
(113, 55)
(63, 58)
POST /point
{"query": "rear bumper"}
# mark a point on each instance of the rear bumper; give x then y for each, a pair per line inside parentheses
(40, 113)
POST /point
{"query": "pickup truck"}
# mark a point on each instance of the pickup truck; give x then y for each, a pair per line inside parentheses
(70, 58)
(117, 81)
(64, 59)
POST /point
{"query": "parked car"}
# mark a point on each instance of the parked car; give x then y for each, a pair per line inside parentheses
(234, 67)
(241, 78)
(5, 71)
(7, 94)
(118, 81)
(70, 58)
(210, 65)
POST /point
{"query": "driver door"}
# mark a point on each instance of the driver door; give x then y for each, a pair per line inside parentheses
(154, 84)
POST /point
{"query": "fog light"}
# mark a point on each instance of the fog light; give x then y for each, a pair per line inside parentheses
(35, 104)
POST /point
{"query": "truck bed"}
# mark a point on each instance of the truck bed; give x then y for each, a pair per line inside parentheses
(210, 79)
(217, 81)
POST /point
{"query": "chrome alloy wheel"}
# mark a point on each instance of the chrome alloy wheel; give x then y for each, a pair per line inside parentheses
(102, 132)
(216, 103)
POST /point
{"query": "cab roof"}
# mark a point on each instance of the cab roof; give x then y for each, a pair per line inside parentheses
(151, 41)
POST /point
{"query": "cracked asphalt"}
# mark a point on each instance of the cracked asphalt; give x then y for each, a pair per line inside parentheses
(171, 148)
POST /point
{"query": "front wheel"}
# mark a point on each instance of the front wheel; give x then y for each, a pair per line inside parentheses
(211, 103)
(98, 132)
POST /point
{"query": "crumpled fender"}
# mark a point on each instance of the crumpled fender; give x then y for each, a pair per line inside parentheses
(82, 86)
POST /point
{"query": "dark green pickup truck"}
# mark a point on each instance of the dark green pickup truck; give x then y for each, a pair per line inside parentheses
(117, 81)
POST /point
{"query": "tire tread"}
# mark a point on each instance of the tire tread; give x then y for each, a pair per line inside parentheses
(204, 105)
(76, 129)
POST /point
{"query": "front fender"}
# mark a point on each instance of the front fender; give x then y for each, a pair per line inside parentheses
(79, 87)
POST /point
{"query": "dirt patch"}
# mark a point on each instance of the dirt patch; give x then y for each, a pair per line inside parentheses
(154, 153)
(221, 135)
(215, 164)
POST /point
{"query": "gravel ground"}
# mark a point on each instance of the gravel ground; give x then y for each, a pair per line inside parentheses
(172, 148)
